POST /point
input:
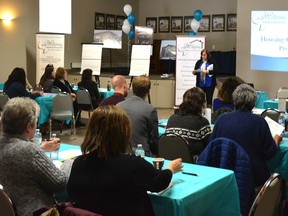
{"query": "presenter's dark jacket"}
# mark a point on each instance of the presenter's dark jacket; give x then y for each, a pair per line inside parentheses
(117, 186)
(210, 79)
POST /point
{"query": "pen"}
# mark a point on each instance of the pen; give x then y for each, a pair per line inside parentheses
(188, 173)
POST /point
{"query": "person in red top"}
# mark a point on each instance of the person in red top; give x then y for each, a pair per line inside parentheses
(120, 87)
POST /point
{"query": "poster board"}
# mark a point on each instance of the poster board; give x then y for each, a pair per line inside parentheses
(140, 60)
(188, 50)
(49, 50)
(91, 57)
(111, 39)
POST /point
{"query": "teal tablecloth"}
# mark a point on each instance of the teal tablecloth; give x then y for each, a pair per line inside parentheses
(104, 93)
(1, 86)
(279, 163)
(45, 102)
(270, 104)
(261, 96)
(213, 192)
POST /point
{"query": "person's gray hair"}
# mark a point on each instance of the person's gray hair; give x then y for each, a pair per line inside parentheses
(17, 113)
(244, 97)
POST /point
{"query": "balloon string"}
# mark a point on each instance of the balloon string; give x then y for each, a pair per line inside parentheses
(128, 54)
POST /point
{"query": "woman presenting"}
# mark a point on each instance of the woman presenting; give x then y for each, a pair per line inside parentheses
(205, 70)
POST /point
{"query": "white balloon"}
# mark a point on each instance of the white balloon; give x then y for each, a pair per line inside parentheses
(126, 28)
(127, 9)
(125, 22)
(195, 25)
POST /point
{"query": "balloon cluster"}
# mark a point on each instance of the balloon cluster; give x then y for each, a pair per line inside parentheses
(195, 23)
(127, 27)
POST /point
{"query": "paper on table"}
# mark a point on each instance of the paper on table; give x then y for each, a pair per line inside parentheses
(274, 127)
(160, 192)
(66, 154)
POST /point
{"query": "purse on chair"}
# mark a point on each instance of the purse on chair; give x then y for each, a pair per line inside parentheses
(63, 209)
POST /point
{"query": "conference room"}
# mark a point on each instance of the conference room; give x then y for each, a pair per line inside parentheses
(18, 46)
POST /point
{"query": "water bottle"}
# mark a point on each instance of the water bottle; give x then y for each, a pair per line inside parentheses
(282, 119)
(37, 137)
(108, 86)
(140, 151)
(54, 154)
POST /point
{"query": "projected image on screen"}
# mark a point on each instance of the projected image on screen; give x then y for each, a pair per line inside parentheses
(269, 40)
(110, 38)
(168, 49)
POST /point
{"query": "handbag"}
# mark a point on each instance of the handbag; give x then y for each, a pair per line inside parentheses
(63, 209)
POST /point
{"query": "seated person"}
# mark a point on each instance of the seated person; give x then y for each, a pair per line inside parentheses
(15, 86)
(225, 94)
(47, 78)
(107, 179)
(87, 83)
(120, 87)
(250, 131)
(62, 83)
(27, 174)
(215, 115)
(189, 122)
(143, 116)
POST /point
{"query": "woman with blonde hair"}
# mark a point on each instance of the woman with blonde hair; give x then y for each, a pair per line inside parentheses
(107, 179)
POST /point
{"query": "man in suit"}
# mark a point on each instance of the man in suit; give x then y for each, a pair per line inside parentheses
(120, 87)
(143, 116)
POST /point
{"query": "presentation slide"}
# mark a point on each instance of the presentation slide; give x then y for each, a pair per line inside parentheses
(269, 40)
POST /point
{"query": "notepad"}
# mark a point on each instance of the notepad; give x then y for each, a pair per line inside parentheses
(274, 127)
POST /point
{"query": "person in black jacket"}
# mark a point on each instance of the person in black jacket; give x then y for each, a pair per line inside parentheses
(206, 71)
(62, 83)
(87, 83)
(15, 86)
(108, 180)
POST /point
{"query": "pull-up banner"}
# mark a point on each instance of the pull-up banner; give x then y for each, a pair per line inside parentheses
(188, 49)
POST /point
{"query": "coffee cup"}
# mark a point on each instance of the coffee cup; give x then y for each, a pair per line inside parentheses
(158, 163)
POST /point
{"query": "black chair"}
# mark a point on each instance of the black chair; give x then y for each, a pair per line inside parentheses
(172, 146)
(84, 101)
(270, 199)
(271, 113)
(7, 207)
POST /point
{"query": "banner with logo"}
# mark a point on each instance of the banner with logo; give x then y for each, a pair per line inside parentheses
(188, 49)
(49, 50)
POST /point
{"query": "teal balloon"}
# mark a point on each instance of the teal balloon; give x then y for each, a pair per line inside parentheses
(192, 33)
(198, 15)
(131, 18)
(131, 34)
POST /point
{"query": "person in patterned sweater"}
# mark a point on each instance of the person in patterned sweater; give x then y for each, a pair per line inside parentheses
(189, 122)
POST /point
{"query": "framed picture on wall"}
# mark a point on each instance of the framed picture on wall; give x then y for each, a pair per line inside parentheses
(231, 22)
(119, 22)
(218, 22)
(110, 21)
(176, 24)
(204, 24)
(164, 24)
(187, 23)
(99, 21)
(152, 22)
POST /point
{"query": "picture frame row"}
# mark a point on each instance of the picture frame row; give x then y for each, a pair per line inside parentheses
(183, 24)
(108, 21)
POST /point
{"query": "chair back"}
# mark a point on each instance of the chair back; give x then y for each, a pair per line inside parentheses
(55, 89)
(62, 103)
(3, 100)
(172, 146)
(38, 88)
(271, 113)
(269, 199)
(83, 97)
(227, 154)
(7, 207)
